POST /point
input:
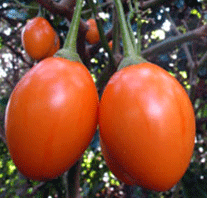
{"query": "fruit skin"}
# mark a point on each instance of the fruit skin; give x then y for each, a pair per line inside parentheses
(51, 118)
(92, 35)
(115, 167)
(55, 47)
(110, 43)
(147, 123)
(39, 39)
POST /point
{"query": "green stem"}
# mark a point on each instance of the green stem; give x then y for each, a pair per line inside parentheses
(115, 34)
(130, 56)
(26, 6)
(127, 43)
(40, 12)
(139, 25)
(69, 50)
(101, 32)
(129, 18)
(71, 38)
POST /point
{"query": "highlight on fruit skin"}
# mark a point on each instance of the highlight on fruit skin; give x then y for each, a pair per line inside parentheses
(147, 124)
(39, 39)
(51, 118)
(92, 34)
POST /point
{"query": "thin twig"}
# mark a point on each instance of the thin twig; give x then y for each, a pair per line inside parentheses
(175, 40)
(152, 3)
(63, 8)
(2, 135)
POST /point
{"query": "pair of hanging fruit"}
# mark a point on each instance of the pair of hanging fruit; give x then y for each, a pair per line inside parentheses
(147, 123)
(146, 120)
(52, 112)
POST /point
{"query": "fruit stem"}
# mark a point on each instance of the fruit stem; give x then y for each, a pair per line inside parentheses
(139, 25)
(69, 50)
(126, 39)
(71, 38)
(115, 33)
(130, 56)
(101, 32)
(41, 12)
(130, 16)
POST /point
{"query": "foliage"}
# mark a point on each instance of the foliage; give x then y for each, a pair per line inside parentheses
(173, 36)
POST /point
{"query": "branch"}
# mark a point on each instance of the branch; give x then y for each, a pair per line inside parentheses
(105, 4)
(184, 45)
(74, 180)
(25, 6)
(2, 135)
(176, 40)
(203, 60)
(152, 3)
(63, 8)
(37, 188)
(191, 63)
(5, 40)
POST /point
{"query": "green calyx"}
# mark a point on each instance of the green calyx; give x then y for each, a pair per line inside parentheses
(127, 61)
(69, 50)
(68, 54)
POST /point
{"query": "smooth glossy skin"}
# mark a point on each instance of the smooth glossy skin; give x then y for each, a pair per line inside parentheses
(55, 47)
(51, 118)
(114, 166)
(92, 35)
(147, 123)
(39, 39)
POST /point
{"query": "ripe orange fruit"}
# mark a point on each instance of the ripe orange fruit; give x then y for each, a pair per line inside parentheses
(147, 124)
(110, 44)
(39, 39)
(51, 118)
(92, 35)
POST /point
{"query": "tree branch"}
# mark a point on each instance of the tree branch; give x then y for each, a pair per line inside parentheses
(203, 60)
(63, 8)
(176, 40)
(5, 40)
(153, 3)
(184, 45)
(2, 135)
(74, 180)
(191, 63)
(37, 188)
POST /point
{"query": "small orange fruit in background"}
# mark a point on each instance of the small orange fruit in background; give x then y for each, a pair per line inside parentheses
(110, 43)
(92, 35)
(39, 39)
